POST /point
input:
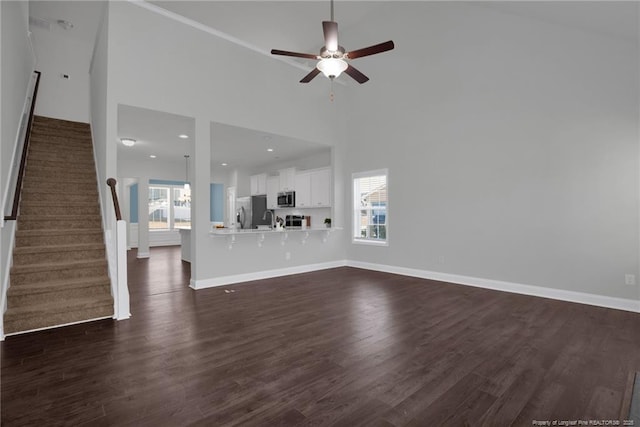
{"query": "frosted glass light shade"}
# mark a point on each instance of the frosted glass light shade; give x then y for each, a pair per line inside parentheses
(332, 67)
(129, 142)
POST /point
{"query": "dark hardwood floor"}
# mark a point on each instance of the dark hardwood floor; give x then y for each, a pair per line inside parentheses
(336, 347)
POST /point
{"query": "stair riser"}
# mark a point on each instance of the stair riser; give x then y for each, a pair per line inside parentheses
(68, 178)
(32, 195)
(67, 146)
(66, 158)
(73, 141)
(26, 324)
(65, 176)
(59, 210)
(18, 279)
(51, 129)
(58, 224)
(58, 256)
(55, 185)
(66, 239)
(44, 167)
(39, 209)
(58, 166)
(58, 295)
(62, 176)
(41, 124)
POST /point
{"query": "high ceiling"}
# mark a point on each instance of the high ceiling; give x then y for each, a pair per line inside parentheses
(296, 26)
(158, 134)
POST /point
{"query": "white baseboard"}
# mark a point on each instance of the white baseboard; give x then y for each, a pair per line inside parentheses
(259, 275)
(517, 288)
(143, 255)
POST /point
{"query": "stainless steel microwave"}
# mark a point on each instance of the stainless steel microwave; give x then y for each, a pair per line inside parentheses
(287, 199)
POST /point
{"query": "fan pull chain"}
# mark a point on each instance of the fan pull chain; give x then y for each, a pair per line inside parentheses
(331, 95)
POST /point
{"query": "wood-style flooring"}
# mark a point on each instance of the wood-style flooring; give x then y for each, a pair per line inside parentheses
(336, 347)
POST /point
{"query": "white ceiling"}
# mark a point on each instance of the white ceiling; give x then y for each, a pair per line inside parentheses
(296, 26)
(156, 133)
(84, 15)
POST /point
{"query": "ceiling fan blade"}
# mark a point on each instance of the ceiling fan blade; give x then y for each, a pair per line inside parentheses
(310, 76)
(330, 29)
(371, 50)
(295, 54)
(356, 74)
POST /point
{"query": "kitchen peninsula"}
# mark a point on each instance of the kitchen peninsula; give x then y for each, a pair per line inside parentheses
(260, 234)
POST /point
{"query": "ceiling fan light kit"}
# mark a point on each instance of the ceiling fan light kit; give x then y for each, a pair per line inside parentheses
(332, 67)
(333, 59)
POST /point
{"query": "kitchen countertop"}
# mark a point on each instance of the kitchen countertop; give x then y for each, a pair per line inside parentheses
(231, 231)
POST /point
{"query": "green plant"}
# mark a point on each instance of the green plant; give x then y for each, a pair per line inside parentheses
(327, 221)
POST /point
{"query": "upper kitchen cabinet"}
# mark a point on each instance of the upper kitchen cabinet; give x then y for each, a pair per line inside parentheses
(287, 179)
(259, 184)
(321, 188)
(303, 190)
(273, 186)
(313, 189)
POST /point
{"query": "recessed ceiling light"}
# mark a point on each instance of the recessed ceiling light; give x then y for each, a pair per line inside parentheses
(129, 142)
(270, 149)
(223, 164)
(153, 156)
(183, 136)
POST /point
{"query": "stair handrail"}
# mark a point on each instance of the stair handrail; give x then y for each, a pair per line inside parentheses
(111, 182)
(23, 159)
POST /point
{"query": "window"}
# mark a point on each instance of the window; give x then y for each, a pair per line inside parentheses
(370, 207)
(169, 207)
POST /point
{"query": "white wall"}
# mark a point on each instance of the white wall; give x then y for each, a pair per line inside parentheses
(151, 168)
(99, 77)
(314, 161)
(512, 148)
(58, 54)
(16, 67)
(151, 68)
(17, 64)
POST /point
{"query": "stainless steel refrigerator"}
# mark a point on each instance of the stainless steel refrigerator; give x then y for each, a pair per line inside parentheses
(259, 206)
(250, 210)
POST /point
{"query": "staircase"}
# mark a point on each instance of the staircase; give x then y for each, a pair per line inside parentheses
(59, 273)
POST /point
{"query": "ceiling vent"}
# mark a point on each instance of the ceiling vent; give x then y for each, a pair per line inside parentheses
(39, 23)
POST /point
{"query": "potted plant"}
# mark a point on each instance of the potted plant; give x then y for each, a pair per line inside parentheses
(327, 222)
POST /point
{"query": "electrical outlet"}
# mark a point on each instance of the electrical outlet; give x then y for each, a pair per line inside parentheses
(287, 256)
(630, 279)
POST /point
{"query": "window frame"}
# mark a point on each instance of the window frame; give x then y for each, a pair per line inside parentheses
(171, 223)
(355, 218)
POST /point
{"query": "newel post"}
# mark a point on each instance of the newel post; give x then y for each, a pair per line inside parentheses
(111, 182)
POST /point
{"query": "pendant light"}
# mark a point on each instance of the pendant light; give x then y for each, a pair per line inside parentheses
(187, 187)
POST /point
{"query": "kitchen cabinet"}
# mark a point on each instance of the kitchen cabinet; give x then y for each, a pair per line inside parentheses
(273, 185)
(321, 188)
(287, 179)
(303, 190)
(313, 189)
(259, 184)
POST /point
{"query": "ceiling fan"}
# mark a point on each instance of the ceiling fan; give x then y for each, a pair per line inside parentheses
(333, 59)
